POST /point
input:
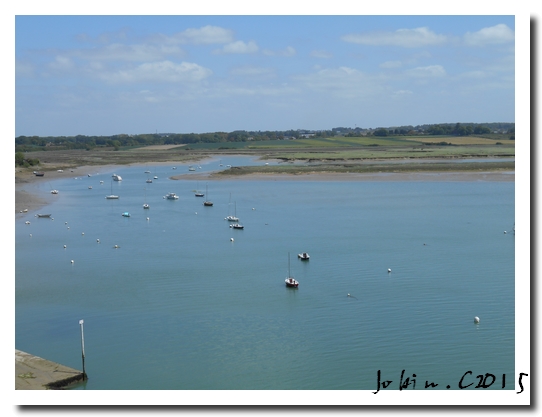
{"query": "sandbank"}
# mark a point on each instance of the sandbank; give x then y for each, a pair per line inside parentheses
(376, 176)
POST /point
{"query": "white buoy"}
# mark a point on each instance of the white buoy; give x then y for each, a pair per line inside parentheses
(148, 218)
(82, 233)
(65, 222)
(64, 246)
(98, 240)
(476, 320)
(116, 246)
(348, 295)
(505, 232)
(389, 269)
(231, 239)
(30, 234)
(72, 261)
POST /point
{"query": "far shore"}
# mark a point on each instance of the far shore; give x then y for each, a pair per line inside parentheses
(27, 197)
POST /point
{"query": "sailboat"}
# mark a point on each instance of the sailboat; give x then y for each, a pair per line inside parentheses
(198, 193)
(112, 196)
(235, 219)
(231, 218)
(290, 281)
(145, 205)
(207, 202)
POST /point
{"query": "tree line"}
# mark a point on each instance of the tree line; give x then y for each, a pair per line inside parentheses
(30, 143)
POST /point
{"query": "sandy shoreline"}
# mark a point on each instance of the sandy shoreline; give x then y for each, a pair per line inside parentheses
(377, 176)
(28, 197)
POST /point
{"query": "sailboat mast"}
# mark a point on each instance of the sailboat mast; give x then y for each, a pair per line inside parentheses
(289, 275)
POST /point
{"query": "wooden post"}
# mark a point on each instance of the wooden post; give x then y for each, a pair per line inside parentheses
(83, 349)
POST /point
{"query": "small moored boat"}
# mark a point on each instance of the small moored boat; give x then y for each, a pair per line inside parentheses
(44, 215)
(233, 218)
(171, 196)
(207, 202)
(290, 280)
(125, 214)
(112, 196)
(303, 256)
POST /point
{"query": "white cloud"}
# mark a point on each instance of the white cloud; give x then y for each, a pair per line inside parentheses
(62, 63)
(239, 47)
(344, 82)
(288, 51)
(164, 71)
(391, 64)
(494, 35)
(256, 72)
(473, 74)
(406, 38)
(399, 94)
(119, 52)
(204, 35)
(321, 54)
(430, 71)
(23, 69)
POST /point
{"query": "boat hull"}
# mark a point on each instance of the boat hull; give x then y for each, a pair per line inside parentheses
(291, 283)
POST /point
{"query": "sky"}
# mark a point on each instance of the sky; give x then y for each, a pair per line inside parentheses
(106, 75)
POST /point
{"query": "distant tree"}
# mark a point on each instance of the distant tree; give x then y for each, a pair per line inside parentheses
(19, 158)
(479, 130)
(380, 132)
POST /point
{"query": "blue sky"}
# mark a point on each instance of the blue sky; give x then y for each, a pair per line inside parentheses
(105, 75)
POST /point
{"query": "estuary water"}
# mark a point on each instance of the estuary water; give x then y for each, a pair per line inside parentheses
(187, 303)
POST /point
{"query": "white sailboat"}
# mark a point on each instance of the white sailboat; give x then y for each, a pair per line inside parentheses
(290, 280)
(112, 196)
(145, 204)
(231, 218)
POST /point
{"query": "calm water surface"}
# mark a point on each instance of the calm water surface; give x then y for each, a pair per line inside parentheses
(180, 306)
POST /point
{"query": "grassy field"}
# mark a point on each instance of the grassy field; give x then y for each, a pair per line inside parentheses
(331, 153)
(360, 168)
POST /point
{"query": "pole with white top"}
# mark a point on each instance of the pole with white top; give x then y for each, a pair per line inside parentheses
(83, 348)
